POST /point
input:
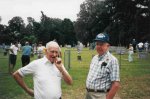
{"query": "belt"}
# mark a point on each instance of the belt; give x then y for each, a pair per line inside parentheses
(95, 90)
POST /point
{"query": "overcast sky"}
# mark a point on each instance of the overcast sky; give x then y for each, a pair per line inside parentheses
(32, 8)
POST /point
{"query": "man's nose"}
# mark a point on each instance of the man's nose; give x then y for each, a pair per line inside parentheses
(55, 54)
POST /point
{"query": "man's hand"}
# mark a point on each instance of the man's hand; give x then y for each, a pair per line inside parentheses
(58, 63)
(21, 82)
(30, 92)
(61, 68)
(58, 60)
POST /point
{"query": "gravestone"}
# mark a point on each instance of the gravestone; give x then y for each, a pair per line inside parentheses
(121, 50)
(143, 55)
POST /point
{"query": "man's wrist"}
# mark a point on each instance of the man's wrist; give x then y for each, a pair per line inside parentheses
(62, 71)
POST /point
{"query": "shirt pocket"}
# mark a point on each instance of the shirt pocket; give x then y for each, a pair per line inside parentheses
(103, 72)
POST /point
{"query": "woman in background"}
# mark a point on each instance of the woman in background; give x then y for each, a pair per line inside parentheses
(130, 57)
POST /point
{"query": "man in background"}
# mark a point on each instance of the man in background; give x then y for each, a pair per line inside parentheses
(12, 56)
(134, 44)
(40, 50)
(26, 52)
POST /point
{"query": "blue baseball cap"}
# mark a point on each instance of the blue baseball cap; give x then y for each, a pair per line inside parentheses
(102, 37)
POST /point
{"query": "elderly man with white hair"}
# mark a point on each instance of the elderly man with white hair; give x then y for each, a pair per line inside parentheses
(47, 73)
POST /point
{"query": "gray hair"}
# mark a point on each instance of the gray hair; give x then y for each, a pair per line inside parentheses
(26, 43)
(52, 44)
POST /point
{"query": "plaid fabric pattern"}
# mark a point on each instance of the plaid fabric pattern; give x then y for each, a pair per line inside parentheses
(103, 70)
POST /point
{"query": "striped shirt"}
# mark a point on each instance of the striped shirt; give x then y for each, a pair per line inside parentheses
(103, 70)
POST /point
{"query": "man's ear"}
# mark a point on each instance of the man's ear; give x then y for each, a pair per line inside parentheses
(45, 50)
(108, 44)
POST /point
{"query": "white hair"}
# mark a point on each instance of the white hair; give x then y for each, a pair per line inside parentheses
(52, 44)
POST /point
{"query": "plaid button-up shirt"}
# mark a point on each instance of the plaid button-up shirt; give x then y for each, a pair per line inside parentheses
(103, 71)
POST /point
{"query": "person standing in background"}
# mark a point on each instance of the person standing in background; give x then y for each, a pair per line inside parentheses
(134, 44)
(40, 50)
(12, 56)
(146, 46)
(79, 47)
(19, 46)
(130, 57)
(140, 46)
(26, 52)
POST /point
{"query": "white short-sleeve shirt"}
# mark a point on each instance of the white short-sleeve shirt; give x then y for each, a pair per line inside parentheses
(14, 48)
(46, 77)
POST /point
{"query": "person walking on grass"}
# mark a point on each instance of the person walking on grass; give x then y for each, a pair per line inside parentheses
(12, 56)
(26, 52)
(47, 73)
(130, 57)
(103, 80)
(40, 50)
(134, 44)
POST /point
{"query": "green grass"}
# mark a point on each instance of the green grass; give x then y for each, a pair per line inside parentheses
(135, 77)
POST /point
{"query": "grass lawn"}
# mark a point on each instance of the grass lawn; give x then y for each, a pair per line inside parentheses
(135, 77)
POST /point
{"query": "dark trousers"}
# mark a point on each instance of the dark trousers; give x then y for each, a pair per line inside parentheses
(12, 59)
(12, 62)
(25, 60)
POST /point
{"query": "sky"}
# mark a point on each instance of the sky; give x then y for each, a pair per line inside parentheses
(32, 8)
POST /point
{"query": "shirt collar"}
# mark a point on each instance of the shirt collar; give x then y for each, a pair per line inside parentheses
(102, 56)
(45, 60)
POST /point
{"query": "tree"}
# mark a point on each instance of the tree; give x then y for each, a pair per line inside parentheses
(28, 33)
(49, 29)
(0, 19)
(67, 29)
(89, 22)
(16, 26)
(119, 18)
(4, 34)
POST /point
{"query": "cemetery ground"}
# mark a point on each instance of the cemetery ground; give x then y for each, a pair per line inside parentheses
(135, 77)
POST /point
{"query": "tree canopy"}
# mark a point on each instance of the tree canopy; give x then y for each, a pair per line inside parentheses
(123, 20)
(46, 30)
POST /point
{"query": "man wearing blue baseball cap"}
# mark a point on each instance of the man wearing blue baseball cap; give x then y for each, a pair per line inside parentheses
(103, 80)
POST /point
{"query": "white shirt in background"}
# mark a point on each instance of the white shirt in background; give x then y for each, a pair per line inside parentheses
(14, 48)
